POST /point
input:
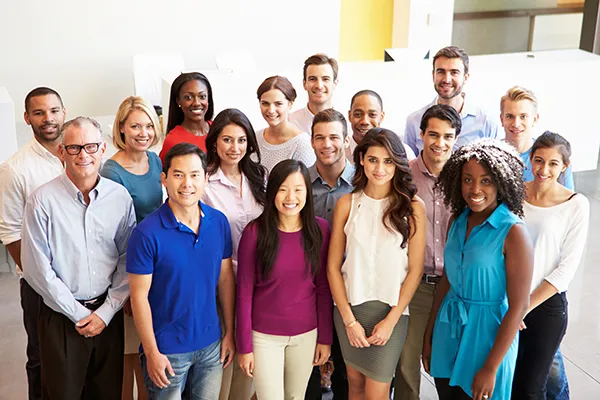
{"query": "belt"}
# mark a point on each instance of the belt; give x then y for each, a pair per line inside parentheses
(430, 279)
(454, 312)
(95, 303)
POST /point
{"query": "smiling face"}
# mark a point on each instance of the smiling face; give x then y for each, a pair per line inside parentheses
(449, 77)
(193, 100)
(138, 131)
(185, 181)
(82, 166)
(365, 114)
(378, 165)
(319, 83)
(478, 188)
(291, 196)
(329, 143)
(46, 116)
(274, 107)
(438, 140)
(547, 164)
(518, 119)
(232, 145)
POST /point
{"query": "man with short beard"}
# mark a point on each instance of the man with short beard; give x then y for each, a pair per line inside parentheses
(33, 165)
(450, 73)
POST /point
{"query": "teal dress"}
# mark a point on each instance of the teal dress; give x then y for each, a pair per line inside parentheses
(470, 315)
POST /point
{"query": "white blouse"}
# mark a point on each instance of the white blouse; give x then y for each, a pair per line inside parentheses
(376, 265)
(297, 148)
(559, 234)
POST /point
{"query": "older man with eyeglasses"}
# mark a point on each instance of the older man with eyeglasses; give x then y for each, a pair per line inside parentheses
(74, 240)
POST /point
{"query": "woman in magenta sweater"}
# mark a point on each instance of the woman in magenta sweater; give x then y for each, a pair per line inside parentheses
(284, 306)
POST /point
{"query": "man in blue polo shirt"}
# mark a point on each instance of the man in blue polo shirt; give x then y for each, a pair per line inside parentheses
(178, 258)
(450, 74)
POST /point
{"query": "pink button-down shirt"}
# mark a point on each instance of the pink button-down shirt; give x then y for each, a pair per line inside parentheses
(437, 215)
(222, 194)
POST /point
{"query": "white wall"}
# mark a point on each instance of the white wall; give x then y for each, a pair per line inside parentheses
(84, 49)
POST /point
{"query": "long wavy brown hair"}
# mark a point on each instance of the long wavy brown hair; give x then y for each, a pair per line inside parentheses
(399, 211)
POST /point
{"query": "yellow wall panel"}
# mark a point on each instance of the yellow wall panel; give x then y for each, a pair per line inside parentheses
(365, 29)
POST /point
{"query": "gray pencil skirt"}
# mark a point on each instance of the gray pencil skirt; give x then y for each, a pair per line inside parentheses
(375, 362)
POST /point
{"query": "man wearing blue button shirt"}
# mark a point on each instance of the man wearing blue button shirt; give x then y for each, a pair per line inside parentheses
(74, 240)
(179, 258)
(450, 74)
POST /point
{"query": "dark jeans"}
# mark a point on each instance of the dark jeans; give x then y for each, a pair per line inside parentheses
(538, 344)
(447, 392)
(339, 379)
(79, 368)
(30, 303)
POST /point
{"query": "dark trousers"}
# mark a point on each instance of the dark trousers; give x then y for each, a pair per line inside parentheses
(30, 303)
(447, 392)
(339, 379)
(546, 327)
(79, 368)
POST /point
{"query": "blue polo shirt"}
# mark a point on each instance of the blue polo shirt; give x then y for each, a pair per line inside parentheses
(185, 270)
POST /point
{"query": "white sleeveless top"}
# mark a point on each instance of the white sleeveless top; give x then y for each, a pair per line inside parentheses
(376, 265)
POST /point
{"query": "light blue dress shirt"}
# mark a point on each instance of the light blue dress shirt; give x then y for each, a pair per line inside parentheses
(76, 251)
(476, 124)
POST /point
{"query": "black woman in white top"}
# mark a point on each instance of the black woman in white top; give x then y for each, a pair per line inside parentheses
(557, 219)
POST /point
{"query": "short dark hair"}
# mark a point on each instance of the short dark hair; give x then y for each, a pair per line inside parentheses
(330, 115)
(183, 149)
(321, 59)
(367, 92)
(453, 52)
(41, 91)
(280, 83)
(175, 113)
(443, 112)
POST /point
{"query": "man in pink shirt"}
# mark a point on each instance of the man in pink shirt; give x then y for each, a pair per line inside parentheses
(440, 127)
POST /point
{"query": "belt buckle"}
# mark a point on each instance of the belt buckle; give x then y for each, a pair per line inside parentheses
(433, 277)
(90, 302)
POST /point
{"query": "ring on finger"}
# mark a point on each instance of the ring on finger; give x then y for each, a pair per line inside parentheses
(485, 397)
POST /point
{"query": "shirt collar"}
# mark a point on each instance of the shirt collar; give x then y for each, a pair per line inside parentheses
(74, 191)
(422, 167)
(467, 108)
(41, 150)
(169, 220)
(498, 215)
(347, 173)
(220, 177)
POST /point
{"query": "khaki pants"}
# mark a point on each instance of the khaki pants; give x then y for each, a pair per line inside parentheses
(408, 372)
(236, 385)
(283, 364)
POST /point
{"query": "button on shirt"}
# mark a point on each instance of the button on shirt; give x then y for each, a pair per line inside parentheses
(20, 175)
(326, 197)
(72, 251)
(476, 124)
(223, 195)
(438, 216)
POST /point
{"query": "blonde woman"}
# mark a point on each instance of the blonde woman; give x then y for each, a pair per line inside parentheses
(138, 169)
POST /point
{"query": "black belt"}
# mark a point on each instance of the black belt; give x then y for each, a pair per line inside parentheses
(95, 303)
(431, 279)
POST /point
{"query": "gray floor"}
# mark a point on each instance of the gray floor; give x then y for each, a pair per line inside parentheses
(581, 346)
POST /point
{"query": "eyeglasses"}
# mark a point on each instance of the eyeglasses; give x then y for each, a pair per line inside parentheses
(75, 149)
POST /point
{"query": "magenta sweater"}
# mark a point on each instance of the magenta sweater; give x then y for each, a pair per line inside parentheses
(291, 302)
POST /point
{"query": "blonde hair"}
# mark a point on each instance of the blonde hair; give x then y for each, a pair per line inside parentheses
(518, 93)
(127, 106)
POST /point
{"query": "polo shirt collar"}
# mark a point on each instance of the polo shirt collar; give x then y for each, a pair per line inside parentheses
(169, 220)
(74, 191)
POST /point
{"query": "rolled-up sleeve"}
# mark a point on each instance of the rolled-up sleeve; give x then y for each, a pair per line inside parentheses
(36, 257)
(118, 292)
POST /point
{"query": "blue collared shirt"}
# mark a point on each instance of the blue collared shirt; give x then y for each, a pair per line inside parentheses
(73, 251)
(476, 124)
(326, 197)
(185, 269)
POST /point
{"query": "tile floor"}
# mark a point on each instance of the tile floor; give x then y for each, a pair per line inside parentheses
(581, 346)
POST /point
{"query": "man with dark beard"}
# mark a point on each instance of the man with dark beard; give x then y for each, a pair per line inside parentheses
(450, 73)
(33, 165)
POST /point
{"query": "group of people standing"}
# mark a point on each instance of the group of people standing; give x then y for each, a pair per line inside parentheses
(281, 249)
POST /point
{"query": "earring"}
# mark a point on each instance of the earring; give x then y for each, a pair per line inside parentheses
(179, 105)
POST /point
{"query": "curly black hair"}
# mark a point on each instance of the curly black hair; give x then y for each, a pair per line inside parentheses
(505, 165)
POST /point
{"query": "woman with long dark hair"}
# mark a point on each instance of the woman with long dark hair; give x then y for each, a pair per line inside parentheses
(191, 111)
(284, 305)
(557, 220)
(236, 187)
(376, 262)
(470, 345)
